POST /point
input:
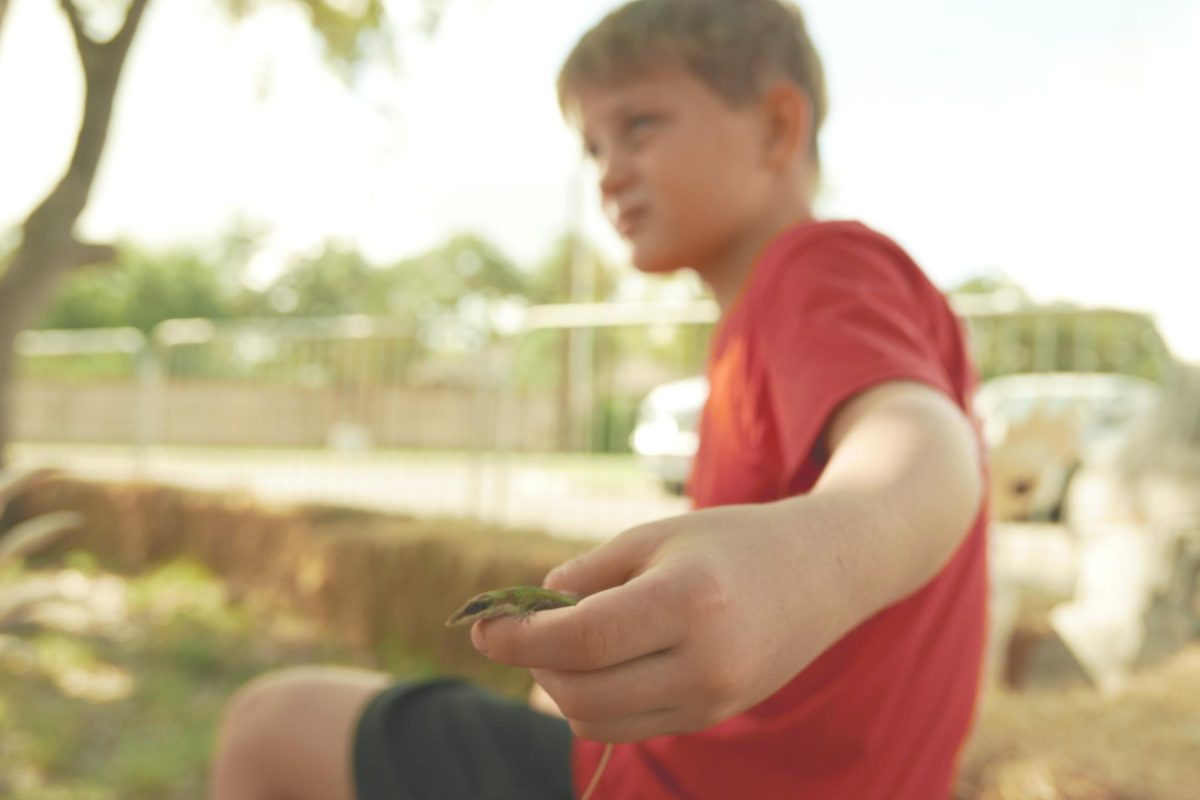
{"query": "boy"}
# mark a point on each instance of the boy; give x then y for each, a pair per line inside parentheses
(814, 629)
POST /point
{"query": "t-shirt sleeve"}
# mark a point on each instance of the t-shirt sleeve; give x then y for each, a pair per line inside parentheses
(840, 317)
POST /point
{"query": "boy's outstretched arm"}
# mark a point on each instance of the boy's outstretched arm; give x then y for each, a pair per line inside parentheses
(690, 620)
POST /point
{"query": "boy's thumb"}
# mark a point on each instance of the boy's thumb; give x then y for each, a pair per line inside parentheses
(609, 565)
(557, 579)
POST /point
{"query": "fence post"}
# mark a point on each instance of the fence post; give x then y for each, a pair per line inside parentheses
(149, 376)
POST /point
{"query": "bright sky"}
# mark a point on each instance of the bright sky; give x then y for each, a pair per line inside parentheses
(1053, 141)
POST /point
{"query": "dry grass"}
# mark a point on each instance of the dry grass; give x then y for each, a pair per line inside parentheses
(1074, 744)
(111, 687)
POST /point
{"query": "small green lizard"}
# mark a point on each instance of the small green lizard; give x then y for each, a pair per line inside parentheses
(517, 601)
(522, 602)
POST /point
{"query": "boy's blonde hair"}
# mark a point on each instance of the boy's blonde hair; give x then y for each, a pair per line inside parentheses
(736, 47)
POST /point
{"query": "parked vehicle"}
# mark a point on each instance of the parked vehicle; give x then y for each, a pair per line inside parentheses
(666, 434)
(1044, 425)
(1041, 428)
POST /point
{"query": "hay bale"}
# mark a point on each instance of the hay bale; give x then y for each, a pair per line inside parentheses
(377, 581)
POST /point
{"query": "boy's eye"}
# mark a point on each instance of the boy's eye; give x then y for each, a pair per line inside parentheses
(628, 133)
(640, 122)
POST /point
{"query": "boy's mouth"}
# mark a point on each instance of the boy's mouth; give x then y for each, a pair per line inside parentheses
(627, 220)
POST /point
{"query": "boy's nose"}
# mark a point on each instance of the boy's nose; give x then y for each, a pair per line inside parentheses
(615, 175)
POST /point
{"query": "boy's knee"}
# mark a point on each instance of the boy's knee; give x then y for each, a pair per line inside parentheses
(283, 734)
(256, 713)
(287, 708)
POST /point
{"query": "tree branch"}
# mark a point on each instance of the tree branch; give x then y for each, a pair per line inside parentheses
(82, 254)
(84, 42)
(46, 254)
(3, 11)
(133, 17)
(102, 68)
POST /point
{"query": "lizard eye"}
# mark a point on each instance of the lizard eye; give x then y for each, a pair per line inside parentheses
(476, 607)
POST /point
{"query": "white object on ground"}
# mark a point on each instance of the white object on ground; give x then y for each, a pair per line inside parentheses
(1104, 624)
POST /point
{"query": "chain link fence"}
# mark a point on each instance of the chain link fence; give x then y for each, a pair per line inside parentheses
(528, 426)
(527, 423)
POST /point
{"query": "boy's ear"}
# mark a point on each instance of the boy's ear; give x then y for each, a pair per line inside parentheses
(788, 115)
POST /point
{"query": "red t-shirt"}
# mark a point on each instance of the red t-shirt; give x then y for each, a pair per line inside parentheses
(831, 309)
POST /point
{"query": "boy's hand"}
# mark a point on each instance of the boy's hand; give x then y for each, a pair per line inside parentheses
(684, 623)
(688, 621)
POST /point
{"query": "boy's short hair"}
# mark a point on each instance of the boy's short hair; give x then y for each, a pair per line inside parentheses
(736, 47)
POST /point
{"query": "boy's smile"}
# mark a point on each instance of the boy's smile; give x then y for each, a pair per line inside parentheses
(684, 176)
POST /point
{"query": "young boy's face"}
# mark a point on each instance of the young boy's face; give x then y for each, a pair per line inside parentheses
(682, 173)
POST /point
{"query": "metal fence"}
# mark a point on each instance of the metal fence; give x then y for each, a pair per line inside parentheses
(525, 424)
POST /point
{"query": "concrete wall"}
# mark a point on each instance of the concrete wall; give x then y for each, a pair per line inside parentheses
(237, 414)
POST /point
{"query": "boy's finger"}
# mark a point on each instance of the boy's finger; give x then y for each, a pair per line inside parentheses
(644, 685)
(611, 564)
(607, 628)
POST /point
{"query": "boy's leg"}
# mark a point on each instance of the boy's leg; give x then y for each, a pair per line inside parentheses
(288, 735)
(310, 733)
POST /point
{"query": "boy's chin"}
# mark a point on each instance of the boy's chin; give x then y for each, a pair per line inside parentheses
(655, 263)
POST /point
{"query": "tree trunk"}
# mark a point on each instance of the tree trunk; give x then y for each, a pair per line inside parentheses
(3, 11)
(48, 248)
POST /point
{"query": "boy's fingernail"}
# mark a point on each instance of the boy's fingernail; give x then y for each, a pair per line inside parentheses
(559, 578)
(478, 638)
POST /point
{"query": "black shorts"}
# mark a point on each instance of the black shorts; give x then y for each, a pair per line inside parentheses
(447, 739)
